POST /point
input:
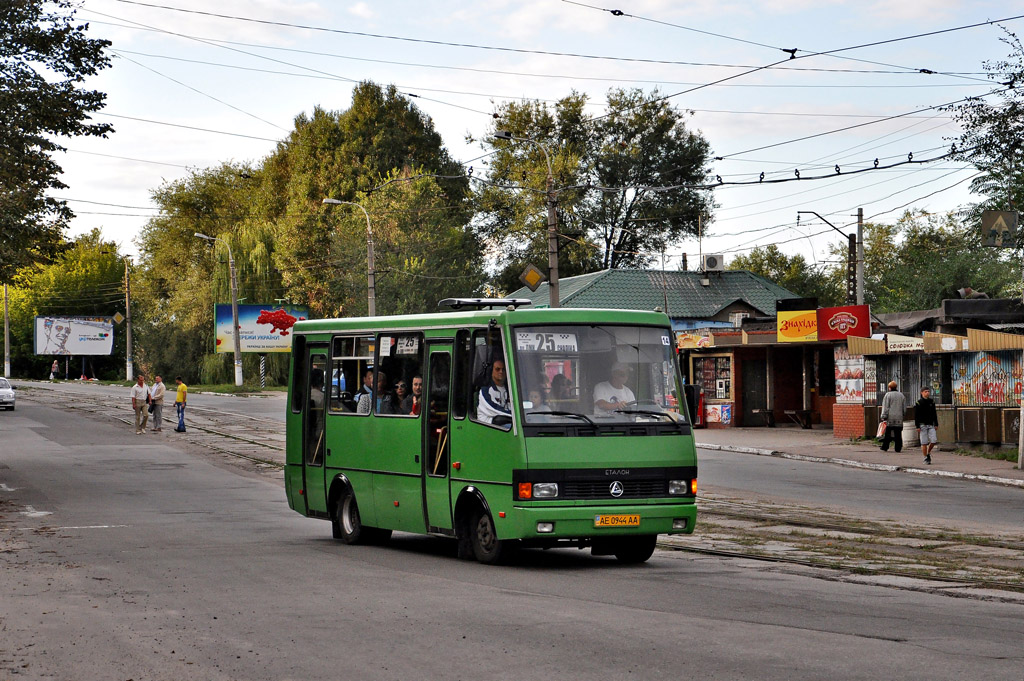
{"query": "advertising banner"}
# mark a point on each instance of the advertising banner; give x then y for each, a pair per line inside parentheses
(799, 326)
(837, 323)
(689, 341)
(261, 328)
(74, 335)
(849, 376)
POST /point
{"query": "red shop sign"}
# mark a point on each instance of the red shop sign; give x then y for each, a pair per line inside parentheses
(837, 323)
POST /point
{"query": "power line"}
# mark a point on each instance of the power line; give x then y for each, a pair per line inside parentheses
(189, 127)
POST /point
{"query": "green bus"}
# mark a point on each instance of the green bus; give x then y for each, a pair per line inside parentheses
(496, 424)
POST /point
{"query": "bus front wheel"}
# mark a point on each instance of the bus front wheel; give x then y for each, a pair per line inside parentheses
(350, 526)
(632, 550)
(487, 548)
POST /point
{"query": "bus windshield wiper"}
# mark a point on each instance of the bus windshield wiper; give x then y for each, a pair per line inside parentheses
(573, 414)
(645, 412)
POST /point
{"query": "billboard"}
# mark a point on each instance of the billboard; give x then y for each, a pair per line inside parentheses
(261, 328)
(74, 336)
(797, 326)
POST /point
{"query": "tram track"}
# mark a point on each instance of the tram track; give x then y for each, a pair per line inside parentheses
(261, 440)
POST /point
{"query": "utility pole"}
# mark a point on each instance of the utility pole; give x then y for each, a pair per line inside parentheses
(129, 368)
(7, 338)
(553, 298)
(234, 304)
(371, 268)
(860, 256)
(852, 260)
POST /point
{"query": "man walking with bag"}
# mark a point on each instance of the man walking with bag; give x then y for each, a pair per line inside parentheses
(893, 406)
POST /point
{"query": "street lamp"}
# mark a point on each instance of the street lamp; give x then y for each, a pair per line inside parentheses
(553, 299)
(854, 272)
(128, 362)
(371, 294)
(234, 306)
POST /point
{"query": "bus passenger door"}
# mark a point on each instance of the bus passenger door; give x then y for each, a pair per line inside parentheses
(436, 465)
(313, 430)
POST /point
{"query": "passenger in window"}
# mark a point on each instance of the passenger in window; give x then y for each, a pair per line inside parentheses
(535, 398)
(376, 399)
(401, 394)
(561, 388)
(411, 403)
(493, 398)
(365, 390)
(614, 393)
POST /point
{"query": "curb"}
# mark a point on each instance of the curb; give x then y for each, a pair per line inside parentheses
(991, 479)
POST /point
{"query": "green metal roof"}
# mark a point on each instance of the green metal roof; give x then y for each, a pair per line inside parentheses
(647, 289)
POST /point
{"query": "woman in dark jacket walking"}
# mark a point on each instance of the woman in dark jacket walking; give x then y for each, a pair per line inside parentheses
(926, 421)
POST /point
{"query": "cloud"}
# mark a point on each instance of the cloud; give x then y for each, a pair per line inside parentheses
(361, 10)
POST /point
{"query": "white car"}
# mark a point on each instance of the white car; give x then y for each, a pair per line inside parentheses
(6, 394)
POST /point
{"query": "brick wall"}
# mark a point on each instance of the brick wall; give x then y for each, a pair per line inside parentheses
(848, 421)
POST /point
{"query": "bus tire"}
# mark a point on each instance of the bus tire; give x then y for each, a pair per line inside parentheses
(487, 548)
(350, 526)
(633, 550)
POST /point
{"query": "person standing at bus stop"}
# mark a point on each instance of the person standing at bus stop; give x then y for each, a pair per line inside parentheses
(893, 406)
(156, 398)
(140, 393)
(927, 420)
(179, 403)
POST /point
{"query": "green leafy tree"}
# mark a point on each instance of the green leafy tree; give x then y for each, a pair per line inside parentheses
(343, 155)
(791, 272)
(923, 258)
(86, 279)
(604, 169)
(993, 134)
(44, 57)
(181, 277)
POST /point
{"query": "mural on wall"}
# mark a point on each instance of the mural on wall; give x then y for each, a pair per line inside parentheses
(987, 379)
(849, 376)
(719, 413)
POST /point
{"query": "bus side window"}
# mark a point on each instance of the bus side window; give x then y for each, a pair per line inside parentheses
(463, 372)
(350, 357)
(399, 361)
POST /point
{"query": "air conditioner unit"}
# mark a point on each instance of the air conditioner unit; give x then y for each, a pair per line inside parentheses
(714, 262)
(736, 318)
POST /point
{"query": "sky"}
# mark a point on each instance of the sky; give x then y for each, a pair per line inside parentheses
(188, 91)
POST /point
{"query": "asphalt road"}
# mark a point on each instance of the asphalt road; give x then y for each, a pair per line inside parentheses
(159, 563)
(962, 504)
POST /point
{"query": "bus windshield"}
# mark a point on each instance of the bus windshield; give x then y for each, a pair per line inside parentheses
(600, 374)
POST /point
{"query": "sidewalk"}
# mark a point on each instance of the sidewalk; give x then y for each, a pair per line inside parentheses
(818, 444)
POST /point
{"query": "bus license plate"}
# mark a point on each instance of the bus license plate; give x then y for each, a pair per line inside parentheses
(632, 520)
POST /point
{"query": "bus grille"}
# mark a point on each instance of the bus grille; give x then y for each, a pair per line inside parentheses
(600, 489)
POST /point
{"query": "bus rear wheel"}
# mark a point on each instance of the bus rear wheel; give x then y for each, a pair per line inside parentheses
(633, 550)
(487, 548)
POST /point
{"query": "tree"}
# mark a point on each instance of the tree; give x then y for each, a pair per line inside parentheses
(623, 183)
(922, 259)
(344, 155)
(86, 279)
(44, 57)
(993, 134)
(792, 273)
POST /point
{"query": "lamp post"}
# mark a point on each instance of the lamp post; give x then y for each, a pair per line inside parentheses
(553, 298)
(234, 305)
(854, 271)
(371, 293)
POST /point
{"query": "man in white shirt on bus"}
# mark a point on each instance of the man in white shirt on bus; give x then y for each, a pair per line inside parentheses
(493, 398)
(613, 394)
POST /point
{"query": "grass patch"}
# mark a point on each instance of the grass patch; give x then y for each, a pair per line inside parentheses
(1004, 454)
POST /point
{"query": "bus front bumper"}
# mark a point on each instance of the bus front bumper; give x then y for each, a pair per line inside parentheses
(576, 522)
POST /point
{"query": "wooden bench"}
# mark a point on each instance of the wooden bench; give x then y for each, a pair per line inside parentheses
(801, 417)
(767, 414)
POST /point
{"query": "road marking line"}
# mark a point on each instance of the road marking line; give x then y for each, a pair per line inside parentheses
(31, 512)
(5, 488)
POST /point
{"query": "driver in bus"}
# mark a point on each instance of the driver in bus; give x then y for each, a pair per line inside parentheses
(614, 393)
(493, 398)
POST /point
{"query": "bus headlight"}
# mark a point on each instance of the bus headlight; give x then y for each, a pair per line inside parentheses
(545, 490)
(678, 487)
